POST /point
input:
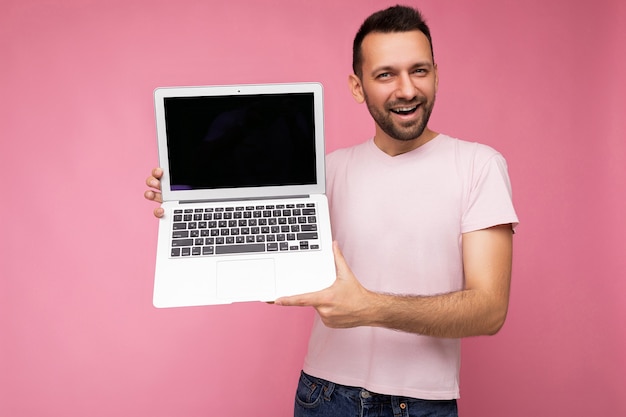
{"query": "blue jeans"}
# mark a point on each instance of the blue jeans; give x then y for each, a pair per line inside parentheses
(317, 397)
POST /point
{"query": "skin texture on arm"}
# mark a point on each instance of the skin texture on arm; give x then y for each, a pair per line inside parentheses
(479, 309)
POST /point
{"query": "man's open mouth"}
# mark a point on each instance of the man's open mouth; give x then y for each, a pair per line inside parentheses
(403, 111)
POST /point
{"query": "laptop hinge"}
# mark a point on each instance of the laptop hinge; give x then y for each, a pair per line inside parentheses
(228, 200)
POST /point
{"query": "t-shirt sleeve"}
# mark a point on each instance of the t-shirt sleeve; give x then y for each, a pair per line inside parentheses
(489, 200)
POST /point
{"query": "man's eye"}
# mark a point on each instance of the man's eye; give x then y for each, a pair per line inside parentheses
(383, 75)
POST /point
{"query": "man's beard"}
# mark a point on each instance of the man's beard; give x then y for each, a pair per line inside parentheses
(406, 132)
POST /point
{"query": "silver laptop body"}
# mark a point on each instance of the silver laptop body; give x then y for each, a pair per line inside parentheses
(246, 218)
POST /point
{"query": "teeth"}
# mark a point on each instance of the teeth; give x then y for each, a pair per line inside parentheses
(404, 109)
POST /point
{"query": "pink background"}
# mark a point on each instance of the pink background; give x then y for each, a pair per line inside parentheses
(540, 80)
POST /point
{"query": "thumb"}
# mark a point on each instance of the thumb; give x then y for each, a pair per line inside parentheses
(340, 261)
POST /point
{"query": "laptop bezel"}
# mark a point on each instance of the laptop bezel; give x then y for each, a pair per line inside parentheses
(161, 93)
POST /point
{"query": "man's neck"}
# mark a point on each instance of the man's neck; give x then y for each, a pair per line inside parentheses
(395, 147)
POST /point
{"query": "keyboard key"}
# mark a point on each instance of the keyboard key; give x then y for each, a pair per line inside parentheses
(182, 242)
(307, 235)
(248, 248)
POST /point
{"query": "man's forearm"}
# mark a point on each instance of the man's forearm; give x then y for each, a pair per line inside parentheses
(454, 315)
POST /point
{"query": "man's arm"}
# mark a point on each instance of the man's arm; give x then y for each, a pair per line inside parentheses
(479, 309)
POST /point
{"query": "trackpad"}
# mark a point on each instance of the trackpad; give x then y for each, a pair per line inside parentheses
(250, 280)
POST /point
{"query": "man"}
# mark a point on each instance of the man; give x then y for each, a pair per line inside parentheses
(422, 224)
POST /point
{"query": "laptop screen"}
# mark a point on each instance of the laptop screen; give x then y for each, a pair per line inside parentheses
(259, 140)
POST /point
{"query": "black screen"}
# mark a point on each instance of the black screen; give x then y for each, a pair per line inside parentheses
(241, 140)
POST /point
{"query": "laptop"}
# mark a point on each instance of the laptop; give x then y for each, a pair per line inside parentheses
(246, 217)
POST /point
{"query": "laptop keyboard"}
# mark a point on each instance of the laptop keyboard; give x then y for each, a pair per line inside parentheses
(244, 229)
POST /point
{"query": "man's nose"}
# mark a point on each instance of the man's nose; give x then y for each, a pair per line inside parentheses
(406, 88)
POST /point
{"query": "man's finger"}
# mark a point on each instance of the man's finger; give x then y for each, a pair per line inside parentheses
(301, 300)
(340, 261)
(158, 212)
(153, 182)
(153, 196)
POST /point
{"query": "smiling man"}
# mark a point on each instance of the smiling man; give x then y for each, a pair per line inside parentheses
(423, 227)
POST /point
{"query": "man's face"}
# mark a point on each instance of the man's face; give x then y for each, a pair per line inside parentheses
(398, 83)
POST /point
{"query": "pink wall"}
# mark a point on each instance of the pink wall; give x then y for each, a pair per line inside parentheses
(542, 81)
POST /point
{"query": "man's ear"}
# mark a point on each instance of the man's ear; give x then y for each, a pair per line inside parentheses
(356, 88)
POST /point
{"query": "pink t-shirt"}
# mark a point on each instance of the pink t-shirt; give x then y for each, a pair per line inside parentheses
(398, 221)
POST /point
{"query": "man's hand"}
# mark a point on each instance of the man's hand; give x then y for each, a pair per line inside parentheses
(154, 193)
(343, 304)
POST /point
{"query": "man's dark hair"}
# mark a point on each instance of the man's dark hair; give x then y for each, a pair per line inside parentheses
(394, 19)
